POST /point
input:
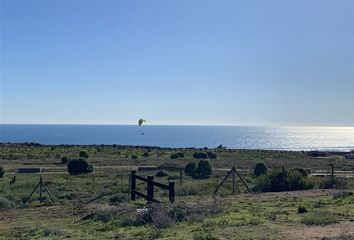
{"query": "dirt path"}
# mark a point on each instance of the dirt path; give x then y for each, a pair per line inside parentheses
(343, 230)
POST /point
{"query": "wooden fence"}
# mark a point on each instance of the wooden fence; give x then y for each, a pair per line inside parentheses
(150, 188)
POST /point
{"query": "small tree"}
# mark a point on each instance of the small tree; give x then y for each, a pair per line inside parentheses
(78, 166)
(2, 171)
(260, 169)
(190, 169)
(204, 169)
(83, 154)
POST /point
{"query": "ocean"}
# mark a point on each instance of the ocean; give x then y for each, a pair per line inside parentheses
(237, 137)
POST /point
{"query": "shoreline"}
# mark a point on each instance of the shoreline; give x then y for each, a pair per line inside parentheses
(335, 150)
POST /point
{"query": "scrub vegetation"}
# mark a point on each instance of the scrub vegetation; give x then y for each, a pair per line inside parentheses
(95, 203)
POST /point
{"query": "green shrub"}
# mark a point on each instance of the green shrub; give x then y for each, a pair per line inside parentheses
(295, 180)
(319, 218)
(190, 169)
(134, 157)
(263, 184)
(204, 169)
(282, 180)
(83, 154)
(2, 171)
(78, 166)
(5, 203)
(174, 156)
(146, 154)
(301, 209)
(278, 181)
(180, 154)
(161, 174)
(260, 169)
(200, 155)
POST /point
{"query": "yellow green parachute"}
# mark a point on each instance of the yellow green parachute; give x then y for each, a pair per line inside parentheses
(141, 121)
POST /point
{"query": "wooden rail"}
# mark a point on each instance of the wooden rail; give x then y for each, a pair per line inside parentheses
(150, 188)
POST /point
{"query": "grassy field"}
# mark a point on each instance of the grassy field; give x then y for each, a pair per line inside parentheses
(197, 213)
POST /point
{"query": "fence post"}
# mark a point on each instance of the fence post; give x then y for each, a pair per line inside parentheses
(171, 191)
(233, 181)
(332, 175)
(150, 189)
(40, 188)
(180, 176)
(132, 185)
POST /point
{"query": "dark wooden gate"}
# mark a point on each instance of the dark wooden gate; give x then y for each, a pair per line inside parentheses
(150, 188)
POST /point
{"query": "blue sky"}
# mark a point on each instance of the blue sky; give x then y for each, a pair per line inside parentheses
(177, 62)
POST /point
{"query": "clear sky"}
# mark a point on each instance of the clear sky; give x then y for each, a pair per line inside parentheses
(177, 62)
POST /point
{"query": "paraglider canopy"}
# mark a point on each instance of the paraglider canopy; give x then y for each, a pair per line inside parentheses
(141, 121)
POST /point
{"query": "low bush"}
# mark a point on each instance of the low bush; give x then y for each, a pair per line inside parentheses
(200, 155)
(146, 154)
(5, 203)
(134, 157)
(2, 172)
(301, 209)
(174, 156)
(78, 166)
(319, 218)
(83, 154)
(180, 154)
(161, 174)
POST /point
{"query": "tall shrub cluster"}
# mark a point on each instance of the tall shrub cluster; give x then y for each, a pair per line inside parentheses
(78, 166)
(282, 180)
(201, 171)
(260, 169)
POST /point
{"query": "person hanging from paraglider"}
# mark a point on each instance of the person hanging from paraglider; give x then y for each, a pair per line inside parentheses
(140, 122)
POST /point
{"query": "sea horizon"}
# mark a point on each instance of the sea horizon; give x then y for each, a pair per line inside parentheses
(293, 138)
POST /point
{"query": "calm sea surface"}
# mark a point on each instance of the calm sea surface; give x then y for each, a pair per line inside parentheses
(288, 138)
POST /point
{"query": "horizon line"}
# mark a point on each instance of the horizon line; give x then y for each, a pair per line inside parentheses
(190, 124)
